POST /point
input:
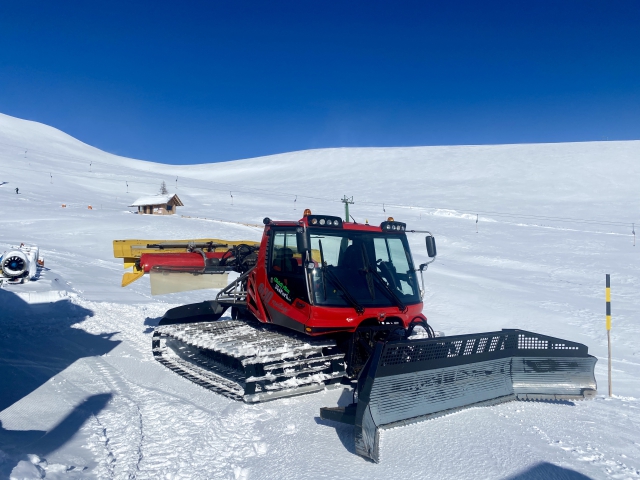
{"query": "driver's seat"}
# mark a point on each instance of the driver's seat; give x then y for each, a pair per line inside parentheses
(284, 261)
(353, 257)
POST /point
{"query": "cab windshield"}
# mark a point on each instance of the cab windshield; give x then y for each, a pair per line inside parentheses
(362, 268)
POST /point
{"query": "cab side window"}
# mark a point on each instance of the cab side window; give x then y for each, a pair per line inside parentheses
(285, 257)
(286, 273)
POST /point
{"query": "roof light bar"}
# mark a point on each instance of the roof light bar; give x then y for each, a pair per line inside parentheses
(393, 227)
(324, 221)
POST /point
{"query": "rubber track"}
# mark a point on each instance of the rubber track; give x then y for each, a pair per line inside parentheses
(297, 360)
(197, 375)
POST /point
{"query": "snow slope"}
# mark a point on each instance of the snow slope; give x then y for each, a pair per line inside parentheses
(82, 397)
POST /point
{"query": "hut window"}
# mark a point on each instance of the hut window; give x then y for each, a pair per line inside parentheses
(169, 208)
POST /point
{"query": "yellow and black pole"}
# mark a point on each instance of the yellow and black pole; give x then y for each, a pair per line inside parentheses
(608, 300)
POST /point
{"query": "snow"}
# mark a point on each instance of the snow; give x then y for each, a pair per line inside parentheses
(82, 397)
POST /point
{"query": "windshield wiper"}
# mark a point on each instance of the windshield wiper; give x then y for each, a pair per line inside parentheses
(322, 270)
(367, 271)
(372, 272)
(345, 293)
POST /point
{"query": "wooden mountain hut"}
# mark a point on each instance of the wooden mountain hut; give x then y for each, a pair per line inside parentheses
(158, 204)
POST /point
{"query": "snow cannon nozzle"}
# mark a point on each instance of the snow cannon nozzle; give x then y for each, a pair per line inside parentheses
(266, 220)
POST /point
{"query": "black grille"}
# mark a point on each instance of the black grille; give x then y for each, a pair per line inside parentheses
(461, 349)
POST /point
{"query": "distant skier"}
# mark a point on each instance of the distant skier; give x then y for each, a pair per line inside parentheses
(17, 190)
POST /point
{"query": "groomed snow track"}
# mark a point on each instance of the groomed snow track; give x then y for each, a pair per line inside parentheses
(246, 360)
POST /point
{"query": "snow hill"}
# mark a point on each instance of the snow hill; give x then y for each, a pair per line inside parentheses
(82, 397)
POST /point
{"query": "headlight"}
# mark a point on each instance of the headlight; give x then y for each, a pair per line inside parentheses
(393, 227)
(328, 221)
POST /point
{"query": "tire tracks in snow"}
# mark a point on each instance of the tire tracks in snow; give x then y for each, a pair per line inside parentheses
(176, 429)
(123, 437)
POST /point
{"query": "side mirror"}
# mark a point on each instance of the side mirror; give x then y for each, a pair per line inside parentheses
(302, 240)
(431, 246)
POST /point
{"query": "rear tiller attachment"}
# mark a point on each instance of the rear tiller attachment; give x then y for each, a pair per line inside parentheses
(406, 381)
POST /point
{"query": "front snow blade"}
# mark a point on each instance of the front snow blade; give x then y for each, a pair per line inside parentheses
(407, 381)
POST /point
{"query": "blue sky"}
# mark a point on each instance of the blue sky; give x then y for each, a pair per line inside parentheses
(205, 81)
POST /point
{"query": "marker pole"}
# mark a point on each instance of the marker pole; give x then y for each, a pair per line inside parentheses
(608, 300)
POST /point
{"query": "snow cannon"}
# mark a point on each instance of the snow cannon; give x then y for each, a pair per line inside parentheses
(20, 263)
(407, 381)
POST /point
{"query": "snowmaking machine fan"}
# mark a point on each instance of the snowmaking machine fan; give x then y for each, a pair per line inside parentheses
(15, 265)
(20, 264)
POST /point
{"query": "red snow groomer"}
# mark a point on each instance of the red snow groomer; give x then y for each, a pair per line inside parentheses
(320, 301)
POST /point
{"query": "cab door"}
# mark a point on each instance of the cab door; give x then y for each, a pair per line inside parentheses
(286, 276)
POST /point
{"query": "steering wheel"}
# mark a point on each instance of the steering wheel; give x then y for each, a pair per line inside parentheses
(386, 273)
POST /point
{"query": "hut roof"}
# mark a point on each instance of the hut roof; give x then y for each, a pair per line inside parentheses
(171, 198)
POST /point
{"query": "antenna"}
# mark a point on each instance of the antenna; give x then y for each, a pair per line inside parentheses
(347, 202)
(383, 208)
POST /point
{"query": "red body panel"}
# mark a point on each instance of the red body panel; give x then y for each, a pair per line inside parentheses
(186, 259)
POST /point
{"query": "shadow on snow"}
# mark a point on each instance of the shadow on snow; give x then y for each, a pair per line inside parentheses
(548, 471)
(344, 432)
(42, 443)
(36, 343)
(151, 324)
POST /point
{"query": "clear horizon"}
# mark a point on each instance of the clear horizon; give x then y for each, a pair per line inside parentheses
(205, 82)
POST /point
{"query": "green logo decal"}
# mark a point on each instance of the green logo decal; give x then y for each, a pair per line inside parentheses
(282, 285)
(282, 289)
